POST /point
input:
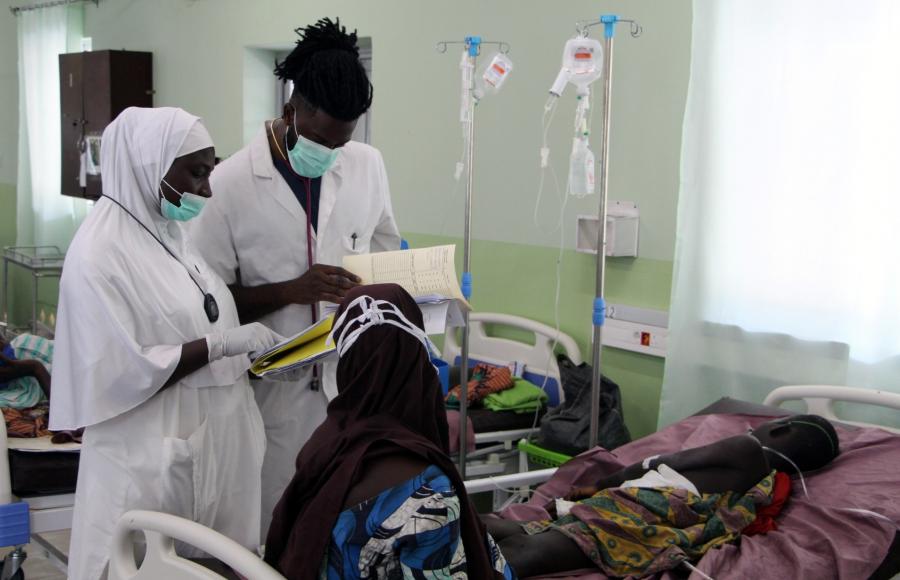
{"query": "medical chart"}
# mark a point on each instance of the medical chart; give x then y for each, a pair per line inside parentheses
(423, 272)
(303, 349)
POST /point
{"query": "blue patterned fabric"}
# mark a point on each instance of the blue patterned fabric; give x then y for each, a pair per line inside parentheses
(408, 531)
(26, 392)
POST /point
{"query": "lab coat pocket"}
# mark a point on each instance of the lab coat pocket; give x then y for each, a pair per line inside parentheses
(356, 243)
(189, 480)
(177, 478)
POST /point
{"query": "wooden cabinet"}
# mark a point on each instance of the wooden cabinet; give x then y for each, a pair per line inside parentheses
(94, 88)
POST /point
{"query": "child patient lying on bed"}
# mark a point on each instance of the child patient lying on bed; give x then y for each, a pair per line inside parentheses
(653, 515)
(25, 371)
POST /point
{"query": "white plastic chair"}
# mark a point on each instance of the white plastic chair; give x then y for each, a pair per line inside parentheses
(161, 561)
(820, 400)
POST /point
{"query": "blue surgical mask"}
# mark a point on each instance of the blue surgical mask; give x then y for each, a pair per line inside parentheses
(191, 205)
(308, 158)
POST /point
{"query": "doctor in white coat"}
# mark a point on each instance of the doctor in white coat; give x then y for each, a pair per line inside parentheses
(149, 357)
(287, 209)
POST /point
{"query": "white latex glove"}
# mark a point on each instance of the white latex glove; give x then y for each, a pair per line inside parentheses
(247, 339)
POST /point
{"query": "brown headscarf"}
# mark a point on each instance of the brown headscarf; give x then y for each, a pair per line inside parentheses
(389, 400)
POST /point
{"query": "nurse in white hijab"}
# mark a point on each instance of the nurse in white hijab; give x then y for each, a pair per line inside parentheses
(150, 357)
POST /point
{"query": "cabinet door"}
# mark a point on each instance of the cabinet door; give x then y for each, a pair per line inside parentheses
(97, 111)
(131, 80)
(72, 109)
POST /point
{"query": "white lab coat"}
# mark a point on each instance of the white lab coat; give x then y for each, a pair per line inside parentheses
(126, 307)
(253, 232)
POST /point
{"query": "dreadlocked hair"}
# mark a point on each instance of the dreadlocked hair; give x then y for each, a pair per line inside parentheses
(326, 70)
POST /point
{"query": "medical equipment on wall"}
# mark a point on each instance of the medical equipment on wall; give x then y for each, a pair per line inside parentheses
(492, 78)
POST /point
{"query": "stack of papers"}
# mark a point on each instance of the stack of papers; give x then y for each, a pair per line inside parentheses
(428, 274)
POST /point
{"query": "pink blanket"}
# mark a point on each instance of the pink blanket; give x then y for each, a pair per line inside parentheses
(820, 537)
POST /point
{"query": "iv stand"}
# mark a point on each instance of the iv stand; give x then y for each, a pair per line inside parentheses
(599, 312)
(472, 43)
(473, 48)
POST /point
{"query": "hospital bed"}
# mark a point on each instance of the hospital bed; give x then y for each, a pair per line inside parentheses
(847, 528)
(497, 432)
(41, 475)
(834, 534)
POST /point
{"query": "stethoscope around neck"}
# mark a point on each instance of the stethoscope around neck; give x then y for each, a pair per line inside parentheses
(210, 306)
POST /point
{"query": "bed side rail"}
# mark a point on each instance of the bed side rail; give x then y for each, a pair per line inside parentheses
(820, 400)
(161, 561)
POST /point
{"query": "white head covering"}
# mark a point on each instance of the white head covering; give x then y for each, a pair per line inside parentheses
(126, 305)
(197, 138)
(136, 152)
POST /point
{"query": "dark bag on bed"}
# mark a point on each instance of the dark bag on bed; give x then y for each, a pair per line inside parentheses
(566, 428)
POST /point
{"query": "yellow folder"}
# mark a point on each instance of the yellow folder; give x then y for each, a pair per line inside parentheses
(299, 351)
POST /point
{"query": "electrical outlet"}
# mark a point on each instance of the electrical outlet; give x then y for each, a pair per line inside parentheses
(635, 337)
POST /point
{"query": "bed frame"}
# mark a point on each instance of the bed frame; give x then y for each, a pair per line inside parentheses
(162, 529)
(540, 367)
(46, 513)
(819, 400)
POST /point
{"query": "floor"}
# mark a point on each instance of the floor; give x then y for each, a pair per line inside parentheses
(37, 565)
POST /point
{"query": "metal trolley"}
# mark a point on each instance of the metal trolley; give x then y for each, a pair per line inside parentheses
(42, 262)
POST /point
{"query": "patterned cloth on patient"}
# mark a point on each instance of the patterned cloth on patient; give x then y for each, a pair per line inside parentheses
(637, 532)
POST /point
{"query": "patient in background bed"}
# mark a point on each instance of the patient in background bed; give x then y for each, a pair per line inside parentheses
(682, 504)
(375, 493)
(25, 365)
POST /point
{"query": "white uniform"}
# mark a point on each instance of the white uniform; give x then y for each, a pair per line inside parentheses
(253, 232)
(126, 306)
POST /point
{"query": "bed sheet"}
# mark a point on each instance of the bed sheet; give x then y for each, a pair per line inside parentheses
(819, 537)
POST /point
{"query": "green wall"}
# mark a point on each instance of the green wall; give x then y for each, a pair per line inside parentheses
(205, 57)
(7, 214)
(199, 51)
(9, 108)
(521, 280)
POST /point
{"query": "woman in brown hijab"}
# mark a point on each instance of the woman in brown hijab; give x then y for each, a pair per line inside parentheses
(375, 494)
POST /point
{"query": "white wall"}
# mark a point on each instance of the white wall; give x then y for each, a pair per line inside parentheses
(199, 49)
(259, 91)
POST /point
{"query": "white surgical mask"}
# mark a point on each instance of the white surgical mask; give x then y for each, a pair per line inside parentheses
(191, 205)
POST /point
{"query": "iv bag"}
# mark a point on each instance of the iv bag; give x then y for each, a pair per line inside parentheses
(581, 169)
(493, 76)
(582, 64)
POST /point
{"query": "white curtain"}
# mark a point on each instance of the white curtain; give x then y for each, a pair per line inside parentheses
(44, 216)
(786, 265)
